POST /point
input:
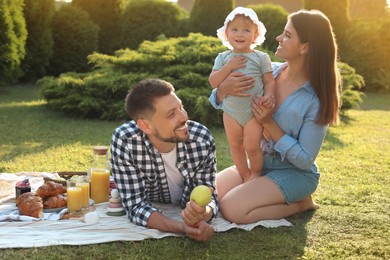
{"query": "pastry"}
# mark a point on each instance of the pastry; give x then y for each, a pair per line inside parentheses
(49, 189)
(30, 205)
(56, 201)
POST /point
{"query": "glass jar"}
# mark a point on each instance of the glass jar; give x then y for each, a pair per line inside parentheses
(99, 175)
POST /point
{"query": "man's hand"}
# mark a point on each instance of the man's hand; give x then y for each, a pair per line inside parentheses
(193, 213)
(201, 231)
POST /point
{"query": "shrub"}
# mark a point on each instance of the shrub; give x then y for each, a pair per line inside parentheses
(351, 82)
(75, 37)
(101, 92)
(107, 15)
(147, 19)
(274, 18)
(97, 94)
(39, 44)
(13, 36)
(207, 16)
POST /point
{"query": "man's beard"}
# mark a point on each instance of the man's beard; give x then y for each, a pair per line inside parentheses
(174, 139)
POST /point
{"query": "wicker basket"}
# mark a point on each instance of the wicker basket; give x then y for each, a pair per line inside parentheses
(66, 176)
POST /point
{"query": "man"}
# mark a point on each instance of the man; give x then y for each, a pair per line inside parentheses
(160, 156)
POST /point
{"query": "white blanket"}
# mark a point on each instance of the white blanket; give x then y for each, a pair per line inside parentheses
(23, 234)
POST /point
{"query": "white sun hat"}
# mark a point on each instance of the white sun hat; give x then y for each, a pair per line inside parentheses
(221, 32)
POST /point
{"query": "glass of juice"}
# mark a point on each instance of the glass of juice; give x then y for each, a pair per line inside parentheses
(74, 196)
(100, 185)
(83, 182)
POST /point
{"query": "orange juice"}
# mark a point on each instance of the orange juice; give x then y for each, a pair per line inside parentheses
(74, 198)
(100, 185)
(84, 193)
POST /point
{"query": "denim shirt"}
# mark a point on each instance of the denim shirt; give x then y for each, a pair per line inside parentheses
(296, 116)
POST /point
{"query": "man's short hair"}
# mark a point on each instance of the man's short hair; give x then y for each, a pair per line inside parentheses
(142, 96)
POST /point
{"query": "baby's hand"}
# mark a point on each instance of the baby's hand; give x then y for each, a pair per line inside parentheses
(236, 62)
(268, 102)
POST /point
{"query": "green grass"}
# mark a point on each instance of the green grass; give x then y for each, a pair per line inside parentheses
(352, 223)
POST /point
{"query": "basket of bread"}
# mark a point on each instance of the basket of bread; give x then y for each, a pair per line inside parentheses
(49, 195)
(63, 176)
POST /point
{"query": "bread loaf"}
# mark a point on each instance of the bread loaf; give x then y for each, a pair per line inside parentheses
(56, 201)
(49, 189)
(30, 205)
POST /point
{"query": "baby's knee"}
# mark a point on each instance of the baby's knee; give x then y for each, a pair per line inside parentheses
(253, 149)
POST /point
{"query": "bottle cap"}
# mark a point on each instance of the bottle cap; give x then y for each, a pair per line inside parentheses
(100, 150)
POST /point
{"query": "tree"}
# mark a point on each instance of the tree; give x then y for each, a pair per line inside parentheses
(39, 44)
(207, 16)
(75, 37)
(274, 18)
(13, 36)
(368, 9)
(338, 13)
(107, 15)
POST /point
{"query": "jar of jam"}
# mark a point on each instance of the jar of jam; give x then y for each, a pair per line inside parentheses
(22, 187)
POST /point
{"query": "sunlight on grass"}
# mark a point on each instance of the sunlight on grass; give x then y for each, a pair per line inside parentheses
(74, 157)
(23, 104)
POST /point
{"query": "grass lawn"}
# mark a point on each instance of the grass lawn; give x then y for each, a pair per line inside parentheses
(354, 193)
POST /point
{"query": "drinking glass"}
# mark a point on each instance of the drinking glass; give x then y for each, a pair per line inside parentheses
(74, 196)
(83, 182)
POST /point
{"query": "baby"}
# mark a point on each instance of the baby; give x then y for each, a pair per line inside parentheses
(241, 33)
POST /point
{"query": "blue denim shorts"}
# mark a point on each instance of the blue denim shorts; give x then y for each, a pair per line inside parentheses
(295, 183)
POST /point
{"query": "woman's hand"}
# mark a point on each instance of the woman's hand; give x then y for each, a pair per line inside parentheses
(235, 85)
(236, 62)
(263, 113)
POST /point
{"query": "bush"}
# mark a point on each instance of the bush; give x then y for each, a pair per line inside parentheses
(186, 62)
(207, 16)
(97, 94)
(351, 82)
(39, 44)
(13, 36)
(147, 19)
(274, 18)
(75, 37)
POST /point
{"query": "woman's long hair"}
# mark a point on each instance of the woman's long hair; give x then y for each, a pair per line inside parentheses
(314, 27)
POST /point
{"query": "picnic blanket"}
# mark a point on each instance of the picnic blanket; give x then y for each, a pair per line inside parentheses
(48, 232)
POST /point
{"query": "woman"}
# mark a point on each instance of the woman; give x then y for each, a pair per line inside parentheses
(307, 101)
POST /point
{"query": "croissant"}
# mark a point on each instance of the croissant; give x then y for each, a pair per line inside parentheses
(30, 205)
(50, 188)
(56, 201)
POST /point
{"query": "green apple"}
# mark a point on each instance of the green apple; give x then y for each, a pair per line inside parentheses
(201, 195)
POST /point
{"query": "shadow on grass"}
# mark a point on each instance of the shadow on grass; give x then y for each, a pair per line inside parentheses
(376, 101)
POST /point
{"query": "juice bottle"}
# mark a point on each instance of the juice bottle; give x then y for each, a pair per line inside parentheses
(99, 174)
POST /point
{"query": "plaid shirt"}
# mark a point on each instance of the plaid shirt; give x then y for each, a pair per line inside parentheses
(139, 173)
